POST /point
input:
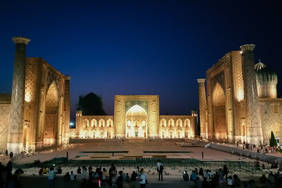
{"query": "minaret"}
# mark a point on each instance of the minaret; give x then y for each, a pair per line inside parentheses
(203, 108)
(15, 139)
(254, 130)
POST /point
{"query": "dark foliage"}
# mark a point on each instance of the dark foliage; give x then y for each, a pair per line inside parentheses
(272, 140)
(91, 104)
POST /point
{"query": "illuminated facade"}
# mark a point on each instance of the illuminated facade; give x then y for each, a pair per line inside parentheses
(135, 117)
(239, 101)
(36, 115)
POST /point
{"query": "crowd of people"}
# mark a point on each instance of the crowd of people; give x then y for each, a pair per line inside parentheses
(99, 177)
(272, 179)
(208, 178)
(111, 177)
(222, 178)
(254, 148)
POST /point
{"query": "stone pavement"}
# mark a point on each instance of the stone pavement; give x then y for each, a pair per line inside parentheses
(77, 151)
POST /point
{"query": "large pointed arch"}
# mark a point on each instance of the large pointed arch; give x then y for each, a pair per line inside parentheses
(136, 122)
(51, 115)
(219, 112)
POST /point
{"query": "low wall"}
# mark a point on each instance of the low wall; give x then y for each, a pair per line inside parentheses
(246, 153)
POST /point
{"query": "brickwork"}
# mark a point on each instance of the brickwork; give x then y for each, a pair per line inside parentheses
(39, 107)
(254, 132)
(233, 105)
(4, 125)
(203, 108)
(271, 119)
(17, 98)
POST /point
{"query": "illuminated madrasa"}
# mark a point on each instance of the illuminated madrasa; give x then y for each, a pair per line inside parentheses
(135, 117)
(239, 101)
(36, 115)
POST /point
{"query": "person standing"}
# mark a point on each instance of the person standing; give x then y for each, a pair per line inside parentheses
(142, 178)
(225, 171)
(51, 178)
(112, 174)
(160, 169)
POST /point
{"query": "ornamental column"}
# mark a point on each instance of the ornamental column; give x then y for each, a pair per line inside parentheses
(254, 130)
(15, 139)
(203, 108)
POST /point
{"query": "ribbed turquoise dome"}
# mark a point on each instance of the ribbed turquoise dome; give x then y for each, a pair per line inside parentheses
(264, 74)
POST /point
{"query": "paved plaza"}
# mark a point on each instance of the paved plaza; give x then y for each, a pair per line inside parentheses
(117, 150)
(88, 151)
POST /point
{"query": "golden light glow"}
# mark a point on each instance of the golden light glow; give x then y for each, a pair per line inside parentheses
(136, 125)
(27, 97)
(49, 141)
(136, 109)
(273, 91)
(240, 95)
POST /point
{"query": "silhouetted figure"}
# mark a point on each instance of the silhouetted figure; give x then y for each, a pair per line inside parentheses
(160, 169)
(120, 180)
(11, 155)
(133, 176)
(201, 172)
(112, 174)
(67, 177)
(78, 171)
(59, 170)
(205, 183)
(263, 179)
(236, 181)
(225, 171)
(40, 172)
(185, 176)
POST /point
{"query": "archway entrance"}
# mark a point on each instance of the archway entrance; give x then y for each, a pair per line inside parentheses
(219, 116)
(136, 122)
(51, 116)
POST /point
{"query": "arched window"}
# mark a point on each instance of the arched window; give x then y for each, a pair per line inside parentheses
(163, 123)
(109, 123)
(179, 123)
(171, 123)
(187, 123)
(86, 123)
(93, 123)
(101, 123)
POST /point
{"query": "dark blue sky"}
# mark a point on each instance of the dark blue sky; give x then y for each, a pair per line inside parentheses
(139, 47)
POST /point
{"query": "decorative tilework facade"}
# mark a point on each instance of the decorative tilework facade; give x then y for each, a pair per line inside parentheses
(234, 109)
(37, 116)
(135, 117)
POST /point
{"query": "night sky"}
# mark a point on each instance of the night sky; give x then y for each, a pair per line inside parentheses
(139, 47)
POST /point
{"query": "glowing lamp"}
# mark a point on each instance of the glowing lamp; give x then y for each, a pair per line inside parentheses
(27, 97)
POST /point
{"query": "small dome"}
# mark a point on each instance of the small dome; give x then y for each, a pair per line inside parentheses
(259, 66)
(264, 74)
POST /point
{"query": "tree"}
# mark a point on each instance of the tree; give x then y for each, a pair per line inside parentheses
(272, 140)
(91, 104)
